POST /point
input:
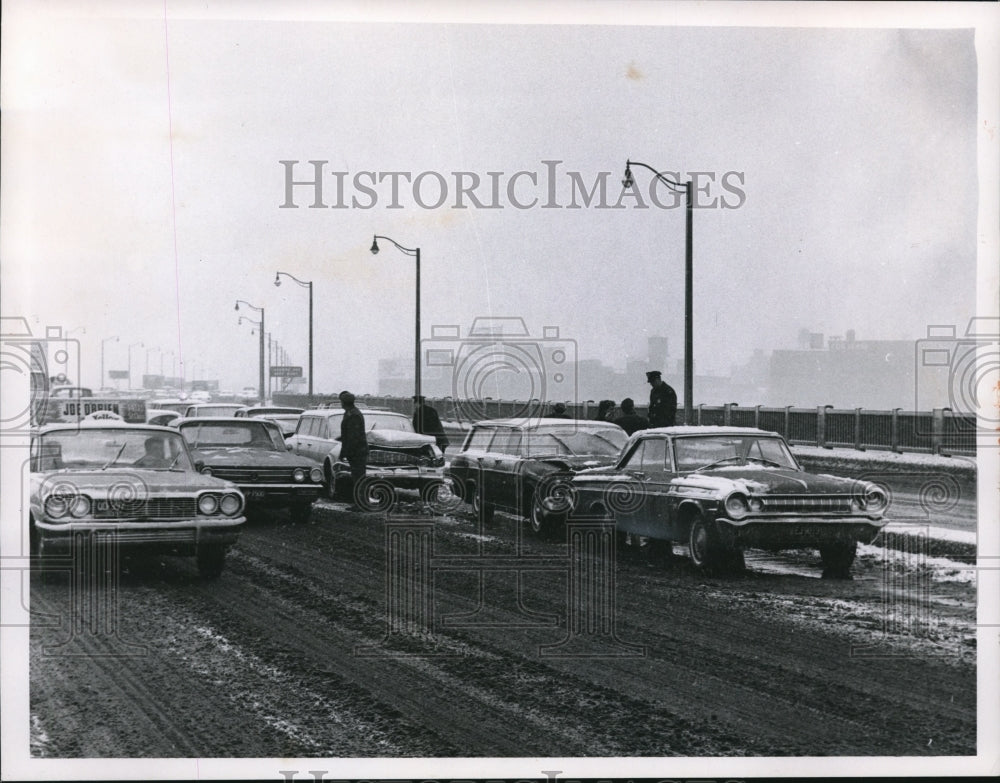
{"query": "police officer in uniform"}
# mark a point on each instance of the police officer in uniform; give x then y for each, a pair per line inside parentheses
(662, 401)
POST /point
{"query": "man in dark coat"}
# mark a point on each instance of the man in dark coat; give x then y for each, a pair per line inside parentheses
(558, 412)
(662, 401)
(630, 421)
(353, 438)
(427, 422)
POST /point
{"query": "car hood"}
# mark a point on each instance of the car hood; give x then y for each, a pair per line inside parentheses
(123, 482)
(741, 478)
(576, 462)
(241, 458)
(398, 439)
(767, 481)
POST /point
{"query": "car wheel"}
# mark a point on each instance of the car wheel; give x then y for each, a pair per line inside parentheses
(543, 525)
(484, 509)
(340, 487)
(211, 559)
(703, 544)
(838, 558)
(300, 513)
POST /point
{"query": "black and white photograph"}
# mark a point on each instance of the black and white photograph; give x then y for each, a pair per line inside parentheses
(434, 391)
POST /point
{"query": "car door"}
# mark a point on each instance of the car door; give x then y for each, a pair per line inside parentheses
(304, 445)
(506, 474)
(643, 500)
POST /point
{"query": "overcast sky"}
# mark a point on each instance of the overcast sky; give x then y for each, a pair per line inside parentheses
(143, 182)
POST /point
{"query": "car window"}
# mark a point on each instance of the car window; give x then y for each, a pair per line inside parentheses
(654, 455)
(634, 459)
(248, 433)
(303, 426)
(480, 439)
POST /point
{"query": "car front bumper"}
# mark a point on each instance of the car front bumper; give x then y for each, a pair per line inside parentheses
(280, 495)
(787, 532)
(184, 533)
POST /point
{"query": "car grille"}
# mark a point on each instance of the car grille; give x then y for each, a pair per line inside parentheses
(151, 508)
(418, 456)
(255, 475)
(802, 504)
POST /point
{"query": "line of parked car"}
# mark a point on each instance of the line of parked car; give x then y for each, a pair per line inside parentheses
(184, 481)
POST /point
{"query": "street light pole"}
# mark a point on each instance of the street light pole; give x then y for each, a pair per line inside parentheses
(686, 189)
(414, 252)
(260, 389)
(106, 340)
(308, 284)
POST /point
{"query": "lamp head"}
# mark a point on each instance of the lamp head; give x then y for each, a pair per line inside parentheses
(627, 180)
(237, 307)
(277, 279)
(374, 247)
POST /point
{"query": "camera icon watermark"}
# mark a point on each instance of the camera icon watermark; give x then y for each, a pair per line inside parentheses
(499, 359)
(958, 373)
(30, 364)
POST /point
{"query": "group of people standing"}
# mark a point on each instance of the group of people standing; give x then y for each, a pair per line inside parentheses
(662, 408)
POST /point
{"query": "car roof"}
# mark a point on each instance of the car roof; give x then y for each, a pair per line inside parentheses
(102, 424)
(531, 421)
(289, 409)
(362, 410)
(682, 430)
(229, 420)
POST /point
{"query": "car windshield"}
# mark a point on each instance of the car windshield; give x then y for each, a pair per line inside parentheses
(375, 420)
(239, 433)
(709, 451)
(575, 441)
(213, 410)
(108, 448)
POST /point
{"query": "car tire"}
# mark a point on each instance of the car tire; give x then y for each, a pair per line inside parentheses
(485, 510)
(838, 557)
(703, 544)
(542, 525)
(211, 559)
(300, 513)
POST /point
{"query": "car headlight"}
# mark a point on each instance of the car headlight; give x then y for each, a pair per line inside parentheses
(79, 507)
(876, 500)
(316, 475)
(737, 506)
(206, 471)
(231, 504)
(57, 506)
(298, 474)
(208, 504)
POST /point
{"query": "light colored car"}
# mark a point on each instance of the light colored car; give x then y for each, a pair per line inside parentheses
(211, 409)
(134, 484)
(160, 416)
(397, 455)
(286, 418)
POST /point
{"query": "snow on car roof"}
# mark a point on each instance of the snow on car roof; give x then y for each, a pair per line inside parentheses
(689, 429)
(532, 421)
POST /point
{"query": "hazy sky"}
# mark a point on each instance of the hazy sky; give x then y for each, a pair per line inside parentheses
(143, 185)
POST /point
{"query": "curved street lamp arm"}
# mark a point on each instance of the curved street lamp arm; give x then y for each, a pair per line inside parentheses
(675, 186)
(410, 251)
(303, 283)
(252, 307)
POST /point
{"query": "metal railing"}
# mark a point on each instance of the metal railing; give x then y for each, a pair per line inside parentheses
(939, 431)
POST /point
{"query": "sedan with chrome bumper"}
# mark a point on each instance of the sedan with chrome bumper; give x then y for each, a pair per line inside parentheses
(131, 486)
(723, 489)
(252, 454)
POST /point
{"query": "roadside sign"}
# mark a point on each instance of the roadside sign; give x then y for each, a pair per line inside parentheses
(286, 371)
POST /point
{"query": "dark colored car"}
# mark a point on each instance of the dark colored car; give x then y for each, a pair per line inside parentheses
(131, 484)
(252, 454)
(397, 455)
(504, 462)
(723, 489)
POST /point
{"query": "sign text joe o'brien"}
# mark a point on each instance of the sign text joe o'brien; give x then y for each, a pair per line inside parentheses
(311, 184)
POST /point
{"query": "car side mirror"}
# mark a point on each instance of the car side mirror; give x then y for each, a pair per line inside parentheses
(199, 464)
(289, 446)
